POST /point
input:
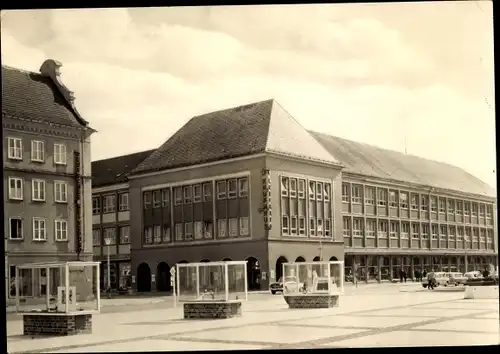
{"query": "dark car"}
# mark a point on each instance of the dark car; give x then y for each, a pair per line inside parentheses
(277, 287)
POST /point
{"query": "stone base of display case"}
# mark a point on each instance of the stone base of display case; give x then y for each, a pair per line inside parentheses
(212, 309)
(311, 301)
(481, 292)
(56, 324)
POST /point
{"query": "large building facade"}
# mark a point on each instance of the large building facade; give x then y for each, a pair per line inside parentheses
(47, 173)
(250, 183)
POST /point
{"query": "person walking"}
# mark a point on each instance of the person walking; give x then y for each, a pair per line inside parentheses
(355, 274)
(401, 275)
(431, 281)
(405, 276)
(417, 275)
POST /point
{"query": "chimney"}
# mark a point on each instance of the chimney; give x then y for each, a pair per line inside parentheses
(50, 68)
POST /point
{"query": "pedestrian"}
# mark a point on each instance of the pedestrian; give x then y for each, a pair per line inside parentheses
(355, 275)
(417, 275)
(431, 281)
(401, 275)
(405, 275)
(424, 275)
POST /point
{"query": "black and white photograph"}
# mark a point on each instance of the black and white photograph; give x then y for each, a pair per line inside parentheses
(250, 177)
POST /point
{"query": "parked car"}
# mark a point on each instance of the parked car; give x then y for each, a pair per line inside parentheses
(442, 278)
(473, 275)
(289, 282)
(457, 279)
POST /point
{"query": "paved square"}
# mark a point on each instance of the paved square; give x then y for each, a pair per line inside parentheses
(365, 322)
(424, 312)
(471, 325)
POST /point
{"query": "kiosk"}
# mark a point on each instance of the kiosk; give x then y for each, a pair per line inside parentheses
(313, 284)
(57, 298)
(212, 289)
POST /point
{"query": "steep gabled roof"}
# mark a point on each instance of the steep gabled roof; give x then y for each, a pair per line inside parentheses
(114, 170)
(33, 96)
(373, 161)
(240, 131)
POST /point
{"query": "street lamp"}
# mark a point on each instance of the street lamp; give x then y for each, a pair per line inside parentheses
(107, 241)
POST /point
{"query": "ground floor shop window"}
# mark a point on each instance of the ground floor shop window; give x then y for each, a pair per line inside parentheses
(125, 278)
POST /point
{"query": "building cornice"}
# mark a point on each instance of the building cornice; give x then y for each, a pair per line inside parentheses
(52, 129)
(110, 188)
(303, 159)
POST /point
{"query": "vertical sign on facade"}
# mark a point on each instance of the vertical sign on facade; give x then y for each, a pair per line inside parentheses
(266, 199)
(78, 204)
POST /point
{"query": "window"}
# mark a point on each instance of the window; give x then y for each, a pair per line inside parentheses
(61, 230)
(293, 225)
(165, 198)
(285, 227)
(109, 203)
(96, 237)
(231, 188)
(312, 190)
(188, 231)
(15, 188)
(207, 192)
(37, 151)
(61, 193)
(302, 225)
(284, 186)
(319, 190)
(451, 206)
(243, 187)
(394, 229)
(38, 190)
(414, 201)
(109, 236)
(393, 199)
(415, 231)
(221, 189)
(425, 231)
(157, 234)
(466, 208)
(148, 235)
(356, 194)
(434, 231)
(293, 187)
(346, 228)
(39, 229)
(197, 193)
(489, 211)
(328, 228)
(146, 200)
(60, 154)
(381, 197)
(166, 233)
(451, 235)
(178, 196)
(370, 227)
(319, 227)
(15, 229)
(198, 229)
(15, 149)
(474, 209)
(434, 204)
(207, 231)
(460, 233)
(382, 228)
(179, 232)
(188, 194)
(302, 188)
(459, 209)
(424, 205)
(312, 226)
(124, 235)
(482, 234)
(233, 227)
(244, 226)
(405, 230)
(369, 195)
(467, 234)
(123, 202)
(403, 200)
(442, 205)
(442, 230)
(345, 192)
(475, 234)
(328, 191)
(222, 228)
(156, 199)
(481, 210)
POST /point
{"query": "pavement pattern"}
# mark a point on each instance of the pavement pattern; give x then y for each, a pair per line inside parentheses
(370, 317)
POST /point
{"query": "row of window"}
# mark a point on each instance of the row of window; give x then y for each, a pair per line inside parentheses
(38, 190)
(108, 203)
(198, 230)
(296, 226)
(384, 197)
(109, 236)
(392, 228)
(39, 229)
(15, 151)
(196, 193)
(296, 187)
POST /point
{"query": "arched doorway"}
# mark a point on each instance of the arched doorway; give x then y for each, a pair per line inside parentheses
(163, 277)
(317, 268)
(279, 267)
(300, 259)
(253, 273)
(302, 269)
(316, 259)
(226, 259)
(143, 278)
(334, 259)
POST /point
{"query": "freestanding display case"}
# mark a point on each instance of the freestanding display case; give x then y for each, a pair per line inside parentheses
(212, 289)
(313, 284)
(57, 298)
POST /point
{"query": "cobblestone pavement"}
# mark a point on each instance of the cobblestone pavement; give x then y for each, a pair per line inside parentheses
(365, 318)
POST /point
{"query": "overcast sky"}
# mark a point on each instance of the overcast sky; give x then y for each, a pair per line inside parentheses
(374, 73)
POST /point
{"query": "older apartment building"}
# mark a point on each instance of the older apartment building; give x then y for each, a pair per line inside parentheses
(111, 217)
(47, 172)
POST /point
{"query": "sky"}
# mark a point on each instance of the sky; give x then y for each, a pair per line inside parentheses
(419, 75)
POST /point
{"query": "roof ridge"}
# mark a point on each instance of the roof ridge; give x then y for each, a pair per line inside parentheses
(231, 108)
(21, 70)
(126, 155)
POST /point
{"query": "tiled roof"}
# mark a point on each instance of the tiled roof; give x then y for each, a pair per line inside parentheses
(240, 131)
(33, 96)
(373, 161)
(114, 170)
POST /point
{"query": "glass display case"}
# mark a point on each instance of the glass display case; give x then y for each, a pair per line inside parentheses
(211, 281)
(57, 287)
(313, 278)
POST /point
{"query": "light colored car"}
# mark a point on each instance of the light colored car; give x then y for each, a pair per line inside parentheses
(289, 282)
(442, 278)
(473, 275)
(457, 278)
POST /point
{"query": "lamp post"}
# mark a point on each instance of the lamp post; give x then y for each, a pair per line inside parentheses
(107, 241)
